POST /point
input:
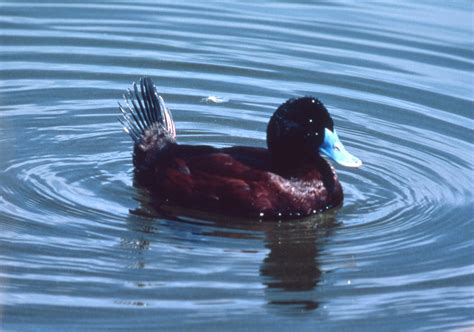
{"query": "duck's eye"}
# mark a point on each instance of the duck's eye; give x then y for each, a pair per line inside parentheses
(337, 148)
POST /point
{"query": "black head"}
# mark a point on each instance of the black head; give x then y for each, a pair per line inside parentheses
(300, 129)
(296, 129)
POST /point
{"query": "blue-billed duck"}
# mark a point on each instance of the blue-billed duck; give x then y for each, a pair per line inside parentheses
(288, 179)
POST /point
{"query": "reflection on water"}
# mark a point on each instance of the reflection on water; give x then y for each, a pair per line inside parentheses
(290, 271)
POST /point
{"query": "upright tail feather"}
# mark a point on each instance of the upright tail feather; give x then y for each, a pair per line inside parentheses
(144, 114)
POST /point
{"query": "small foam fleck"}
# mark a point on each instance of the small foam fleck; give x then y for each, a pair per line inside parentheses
(213, 99)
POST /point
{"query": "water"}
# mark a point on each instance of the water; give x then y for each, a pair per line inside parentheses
(79, 247)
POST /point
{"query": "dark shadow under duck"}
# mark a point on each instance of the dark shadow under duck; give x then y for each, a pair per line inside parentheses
(290, 179)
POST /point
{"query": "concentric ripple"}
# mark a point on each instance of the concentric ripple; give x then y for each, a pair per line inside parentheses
(81, 248)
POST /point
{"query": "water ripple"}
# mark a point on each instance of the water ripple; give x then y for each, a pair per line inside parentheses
(77, 233)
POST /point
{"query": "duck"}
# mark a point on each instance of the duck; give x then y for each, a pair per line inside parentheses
(290, 178)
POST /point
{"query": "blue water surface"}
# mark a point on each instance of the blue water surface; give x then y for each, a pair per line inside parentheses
(80, 246)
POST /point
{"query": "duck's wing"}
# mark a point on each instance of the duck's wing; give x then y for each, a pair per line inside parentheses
(211, 179)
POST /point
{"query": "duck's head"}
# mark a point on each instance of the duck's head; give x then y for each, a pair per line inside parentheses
(301, 129)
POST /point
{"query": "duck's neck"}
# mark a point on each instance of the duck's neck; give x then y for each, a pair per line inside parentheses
(290, 165)
(327, 174)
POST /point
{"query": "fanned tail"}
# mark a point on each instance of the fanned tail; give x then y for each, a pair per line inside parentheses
(145, 116)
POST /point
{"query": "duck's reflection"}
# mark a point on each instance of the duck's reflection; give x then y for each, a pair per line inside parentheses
(290, 271)
(291, 266)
